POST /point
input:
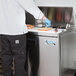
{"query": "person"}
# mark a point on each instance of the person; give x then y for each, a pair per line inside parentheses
(13, 32)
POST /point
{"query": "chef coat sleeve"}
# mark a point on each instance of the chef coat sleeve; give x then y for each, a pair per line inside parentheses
(30, 6)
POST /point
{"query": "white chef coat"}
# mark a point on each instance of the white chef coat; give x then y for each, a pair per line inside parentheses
(12, 16)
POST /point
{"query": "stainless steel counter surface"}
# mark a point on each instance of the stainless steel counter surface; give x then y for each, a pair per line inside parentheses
(47, 33)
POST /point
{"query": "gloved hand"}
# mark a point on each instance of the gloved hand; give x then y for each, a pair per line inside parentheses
(47, 22)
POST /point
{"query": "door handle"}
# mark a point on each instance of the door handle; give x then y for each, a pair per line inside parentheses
(50, 42)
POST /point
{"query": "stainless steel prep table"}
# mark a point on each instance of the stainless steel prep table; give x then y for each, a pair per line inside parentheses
(53, 51)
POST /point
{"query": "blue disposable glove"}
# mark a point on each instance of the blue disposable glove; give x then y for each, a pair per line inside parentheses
(47, 22)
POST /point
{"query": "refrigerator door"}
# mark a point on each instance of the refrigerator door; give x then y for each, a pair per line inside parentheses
(49, 56)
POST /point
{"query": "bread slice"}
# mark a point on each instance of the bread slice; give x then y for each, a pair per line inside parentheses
(30, 26)
(44, 29)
